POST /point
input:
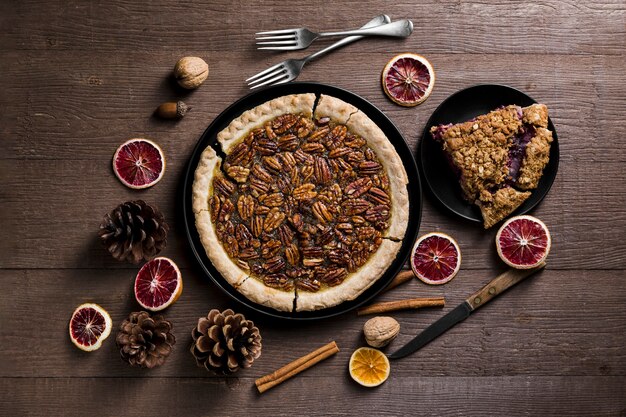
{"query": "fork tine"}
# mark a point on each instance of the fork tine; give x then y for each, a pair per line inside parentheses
(265, 77)
(270, 81)
(275, 38)
(281, 48)
(277, 43)
(277, 32)
(265, 71)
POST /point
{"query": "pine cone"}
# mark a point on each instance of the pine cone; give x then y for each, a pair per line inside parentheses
(225, 342)
(145, 341)
(133, 231)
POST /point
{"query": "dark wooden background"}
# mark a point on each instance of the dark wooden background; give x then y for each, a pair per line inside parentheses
(77, 78)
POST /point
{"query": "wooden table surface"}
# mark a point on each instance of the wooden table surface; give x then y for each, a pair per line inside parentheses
(77, 78)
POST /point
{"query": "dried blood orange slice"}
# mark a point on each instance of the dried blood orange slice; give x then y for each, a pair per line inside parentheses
(139, 163)
(89, 326)
(369, 367)
(436, 258)
(158, 284)
(408, 79)
(523, 242)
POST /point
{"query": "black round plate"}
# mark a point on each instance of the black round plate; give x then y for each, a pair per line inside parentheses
(460, 107)
(252, 100)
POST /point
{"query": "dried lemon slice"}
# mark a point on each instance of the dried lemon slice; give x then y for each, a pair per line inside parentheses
(369, 367)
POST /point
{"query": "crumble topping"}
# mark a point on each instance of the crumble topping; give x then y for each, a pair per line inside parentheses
(505, 148)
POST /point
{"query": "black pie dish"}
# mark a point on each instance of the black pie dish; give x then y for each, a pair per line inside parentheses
(208, 138)
(462, 106)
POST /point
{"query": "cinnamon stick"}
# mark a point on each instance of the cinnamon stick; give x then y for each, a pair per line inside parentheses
(271, 380)
(401, 278)
(411, 303)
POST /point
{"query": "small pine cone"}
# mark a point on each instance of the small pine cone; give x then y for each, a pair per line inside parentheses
(145, 341)
(133, 231)
(225, 342)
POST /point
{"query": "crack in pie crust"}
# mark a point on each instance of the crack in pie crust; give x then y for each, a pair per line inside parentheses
(309, 206)
(498, 157)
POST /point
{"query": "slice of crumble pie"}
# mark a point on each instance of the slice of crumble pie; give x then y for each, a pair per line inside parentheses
(498, 157)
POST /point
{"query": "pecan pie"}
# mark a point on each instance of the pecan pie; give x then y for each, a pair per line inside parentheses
(308, 207)
(498, 157)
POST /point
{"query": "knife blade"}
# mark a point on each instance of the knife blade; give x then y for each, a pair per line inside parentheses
(463, 310)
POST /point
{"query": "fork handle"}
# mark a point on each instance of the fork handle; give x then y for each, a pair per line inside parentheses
(399, 29)
(375, 22)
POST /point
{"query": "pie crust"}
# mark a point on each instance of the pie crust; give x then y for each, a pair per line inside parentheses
(297, 298)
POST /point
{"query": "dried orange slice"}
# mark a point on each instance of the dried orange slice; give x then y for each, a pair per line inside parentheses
(139, 163)
(369, 367)
(408, 79)
(158, 284)
(523, 242)
(89, 326)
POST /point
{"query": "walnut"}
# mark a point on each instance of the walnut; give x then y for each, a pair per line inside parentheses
(190, 72)
(380, 331)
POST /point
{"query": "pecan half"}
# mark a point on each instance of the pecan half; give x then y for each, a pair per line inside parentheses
(321, 212)
(223, 186)
(272, 163)
(306, 284)
(377, 195)
(288, 142)
(280, 281)
(332, 276)
(292, 254)
(339, 152)
(214, 205)
(248, 254)
(319, 134)
(303, 157)
(240, 155)
(271, 248)
(377, 213)
(283, 123)
(369, 167)
(238, 173)
(274, 219)
(244, 237)
(245, 206)
(272, 200)
(288, 161)
(358, 188)
(322, 171)
(354, 206)
(312, 261)
(226, 209)
(313, 147)
(266, 146)
(260, 172)
(257, 225)
(285, 234)
(304, 192)
(274, 264)
(312, 252)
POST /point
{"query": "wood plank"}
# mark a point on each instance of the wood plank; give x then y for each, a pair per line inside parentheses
(547, 26)
(60, 105)
(315, 396)
(568, 323)
(52, 209)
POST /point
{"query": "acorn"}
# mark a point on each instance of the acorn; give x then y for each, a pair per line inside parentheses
(172, 110)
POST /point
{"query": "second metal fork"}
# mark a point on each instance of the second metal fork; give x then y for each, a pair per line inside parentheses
(292, 39)
(290, 69)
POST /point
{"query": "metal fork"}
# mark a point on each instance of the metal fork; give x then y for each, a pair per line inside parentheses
(293, 39)
(290, 69)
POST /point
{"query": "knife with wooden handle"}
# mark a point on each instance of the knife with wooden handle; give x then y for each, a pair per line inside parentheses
(500, 284)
